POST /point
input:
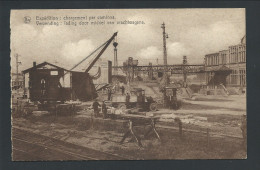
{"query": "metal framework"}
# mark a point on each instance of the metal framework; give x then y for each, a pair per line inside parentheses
(173, 69)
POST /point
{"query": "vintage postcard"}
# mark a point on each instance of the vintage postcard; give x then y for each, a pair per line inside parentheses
(128, 84)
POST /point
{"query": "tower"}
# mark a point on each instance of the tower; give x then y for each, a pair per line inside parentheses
(165, 75)
(165, 35)
(17, 68)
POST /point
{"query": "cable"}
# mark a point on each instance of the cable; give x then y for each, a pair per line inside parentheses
(86, 58)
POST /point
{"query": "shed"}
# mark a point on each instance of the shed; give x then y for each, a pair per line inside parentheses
(217, 75)
(48, 82)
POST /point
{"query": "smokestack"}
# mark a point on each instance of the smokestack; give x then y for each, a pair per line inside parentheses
(185, 60)
(34, 64)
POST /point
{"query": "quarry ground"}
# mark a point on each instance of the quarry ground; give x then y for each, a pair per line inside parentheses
(220, 115)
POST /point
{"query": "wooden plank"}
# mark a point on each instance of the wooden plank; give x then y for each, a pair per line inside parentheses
(137, 116)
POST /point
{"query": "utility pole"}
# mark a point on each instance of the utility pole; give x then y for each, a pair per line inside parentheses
(164, 46)
(165, 35)
(17, 69)
(184, 71)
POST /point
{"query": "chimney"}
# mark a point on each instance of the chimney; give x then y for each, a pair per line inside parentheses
(34, 64)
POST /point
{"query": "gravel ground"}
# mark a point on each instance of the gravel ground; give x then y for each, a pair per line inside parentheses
(171, 146)
(221, 115)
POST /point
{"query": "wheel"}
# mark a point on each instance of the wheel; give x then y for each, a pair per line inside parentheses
(153, 107)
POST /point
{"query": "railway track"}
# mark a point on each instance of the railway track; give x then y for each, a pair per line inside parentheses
(29, 146)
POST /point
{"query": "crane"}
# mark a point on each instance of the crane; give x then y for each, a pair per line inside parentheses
(79, 83)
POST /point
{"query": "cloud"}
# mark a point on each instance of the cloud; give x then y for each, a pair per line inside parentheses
(225, 34)
(23, 35)
(149, 54)
(23, 43)
(137, 35)
(73, 52)
(46, 43)
(202, 40)
(176, 51)
(203, 32)
(54, 35)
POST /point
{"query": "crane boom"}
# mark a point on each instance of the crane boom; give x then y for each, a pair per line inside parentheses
(101, 52)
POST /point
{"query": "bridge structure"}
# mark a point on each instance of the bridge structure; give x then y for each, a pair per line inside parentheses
(172, 69)
(132, 70)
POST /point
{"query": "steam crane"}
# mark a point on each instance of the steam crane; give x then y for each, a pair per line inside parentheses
(86, 87)
(46, 84)
(45, 81)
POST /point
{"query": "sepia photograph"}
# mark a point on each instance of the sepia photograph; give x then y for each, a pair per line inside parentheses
(128, 84)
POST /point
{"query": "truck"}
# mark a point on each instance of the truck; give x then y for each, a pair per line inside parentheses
(137, 100)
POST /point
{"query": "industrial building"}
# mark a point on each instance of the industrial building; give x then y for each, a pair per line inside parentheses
(230, 63)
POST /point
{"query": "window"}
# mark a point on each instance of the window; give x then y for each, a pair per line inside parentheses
(242, 77)
(234, 77)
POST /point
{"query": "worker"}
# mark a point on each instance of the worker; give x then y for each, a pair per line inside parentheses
(109, 93)
(127, 100)
(173, 102)
(104, 110)
(95, 108)
(174, 99)
(114, 88)
(123, 90)
(117, 87)
(139, 101)
(143, 97)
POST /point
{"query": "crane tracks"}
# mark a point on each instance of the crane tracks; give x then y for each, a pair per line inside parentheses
(36, 147)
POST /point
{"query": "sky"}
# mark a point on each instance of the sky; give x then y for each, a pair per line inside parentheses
(192, 32)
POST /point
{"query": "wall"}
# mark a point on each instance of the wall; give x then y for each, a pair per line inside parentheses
(235, 59)
(106, 72)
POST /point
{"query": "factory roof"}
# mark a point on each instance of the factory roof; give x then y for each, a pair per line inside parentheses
(218, 68)
(43, 65)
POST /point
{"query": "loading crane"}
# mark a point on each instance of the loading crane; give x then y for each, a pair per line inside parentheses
(83, 84)
(45, 81)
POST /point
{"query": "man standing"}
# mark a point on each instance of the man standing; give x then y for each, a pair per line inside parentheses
(123, 90)
(127, 100)
(104, 110)
(95, 108)
(109, 92)
(139, 104)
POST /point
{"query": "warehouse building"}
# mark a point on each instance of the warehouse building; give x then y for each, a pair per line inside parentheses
(229, 65)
